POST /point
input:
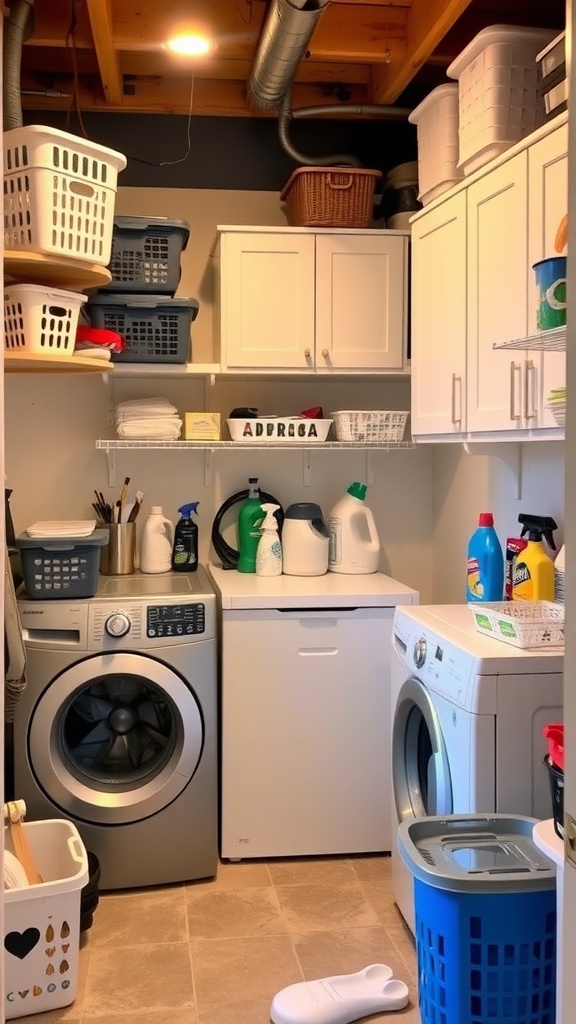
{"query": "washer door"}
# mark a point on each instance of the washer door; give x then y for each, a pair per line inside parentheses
(115, 738)
(420, 768)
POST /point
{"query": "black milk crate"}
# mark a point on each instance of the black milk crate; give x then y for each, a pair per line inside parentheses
(155, 328)
(146, 254)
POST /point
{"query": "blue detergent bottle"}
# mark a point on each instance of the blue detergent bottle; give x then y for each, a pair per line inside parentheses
(485, 575)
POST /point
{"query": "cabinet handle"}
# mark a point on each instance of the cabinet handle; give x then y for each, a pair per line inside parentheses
(529, 392)
(325, 353)
(307, 353)
(513, 368)
(456, 379)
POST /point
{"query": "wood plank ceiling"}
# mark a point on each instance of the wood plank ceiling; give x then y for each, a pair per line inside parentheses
(112, 52)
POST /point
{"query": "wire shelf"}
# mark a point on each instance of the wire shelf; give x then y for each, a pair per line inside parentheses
(118, 444)
(544, 341)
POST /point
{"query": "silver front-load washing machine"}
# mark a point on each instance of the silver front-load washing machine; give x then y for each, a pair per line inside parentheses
(117, 728)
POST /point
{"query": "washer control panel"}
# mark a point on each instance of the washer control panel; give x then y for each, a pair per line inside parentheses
(174, 620)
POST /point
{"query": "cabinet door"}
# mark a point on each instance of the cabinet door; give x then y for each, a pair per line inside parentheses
(497, 210)
(267, 300)
(438, 321)
(361, 301)
(548, 204)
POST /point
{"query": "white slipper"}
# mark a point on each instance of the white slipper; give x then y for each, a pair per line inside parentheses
(340, 999)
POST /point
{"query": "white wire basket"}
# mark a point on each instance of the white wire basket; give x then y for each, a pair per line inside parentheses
(525, 624)
(40, 320)
(375, 425)
(59, 194)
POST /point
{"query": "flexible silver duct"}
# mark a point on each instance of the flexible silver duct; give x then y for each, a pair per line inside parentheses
(17, 28)
(287, 31)
(343, 159)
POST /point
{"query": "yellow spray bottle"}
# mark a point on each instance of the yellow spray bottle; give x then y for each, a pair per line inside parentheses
(534, 569)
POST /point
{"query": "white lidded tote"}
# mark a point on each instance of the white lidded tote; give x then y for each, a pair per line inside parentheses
(157, 542)
(354, 541)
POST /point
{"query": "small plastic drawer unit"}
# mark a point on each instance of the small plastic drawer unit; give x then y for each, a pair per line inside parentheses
(485, 903)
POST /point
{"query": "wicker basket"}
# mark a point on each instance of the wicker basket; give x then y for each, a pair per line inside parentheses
(330, 197)
(353, 425)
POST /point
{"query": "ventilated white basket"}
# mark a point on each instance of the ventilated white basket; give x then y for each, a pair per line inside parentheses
(526, 624)
(436, 120)
(40, 320)
(373, 425)
(59, 194)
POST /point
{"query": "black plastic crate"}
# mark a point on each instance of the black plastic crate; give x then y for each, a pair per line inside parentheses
(146, 254)
(155, 329)
(556, 776)
(61, 567)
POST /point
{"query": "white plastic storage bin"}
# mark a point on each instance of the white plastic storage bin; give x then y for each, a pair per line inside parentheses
(436, 119)
(40, 320)
(59, 194)
(42, 922)
(498, 98)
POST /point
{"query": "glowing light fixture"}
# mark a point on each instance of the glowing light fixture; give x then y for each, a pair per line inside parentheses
(189, 45)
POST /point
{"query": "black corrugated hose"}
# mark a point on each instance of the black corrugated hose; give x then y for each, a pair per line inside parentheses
(227, 554)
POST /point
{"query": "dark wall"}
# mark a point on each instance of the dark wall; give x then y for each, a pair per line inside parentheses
(233, 152)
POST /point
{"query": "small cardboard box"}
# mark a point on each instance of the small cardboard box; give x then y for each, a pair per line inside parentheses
(201, 426)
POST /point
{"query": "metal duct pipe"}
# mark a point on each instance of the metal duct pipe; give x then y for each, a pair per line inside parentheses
(287, 31)
(17, 27)
(285, 115)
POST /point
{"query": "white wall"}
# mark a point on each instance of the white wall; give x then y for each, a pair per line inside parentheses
(52, 422)
(466, 484)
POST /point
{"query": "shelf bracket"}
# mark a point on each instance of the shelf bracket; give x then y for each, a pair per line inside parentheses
(111, 460)
(208, 466)
(509, 452)
(307, 468)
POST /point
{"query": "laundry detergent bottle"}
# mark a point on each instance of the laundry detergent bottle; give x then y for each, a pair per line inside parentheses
(485, 574)
(250, 519)
(534, 578)
(354, 542)
(185, 549)
(269, 551)
(157, 542)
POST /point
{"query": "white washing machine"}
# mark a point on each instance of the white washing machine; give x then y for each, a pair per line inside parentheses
(117, 728)
(467, 719)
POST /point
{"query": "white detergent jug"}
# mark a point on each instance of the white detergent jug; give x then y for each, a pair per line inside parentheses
(354, 541)
(157, 542)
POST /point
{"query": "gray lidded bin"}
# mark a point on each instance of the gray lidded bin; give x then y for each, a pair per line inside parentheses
(485, 903)
(155, 328)
(146, 254)
(61, 567)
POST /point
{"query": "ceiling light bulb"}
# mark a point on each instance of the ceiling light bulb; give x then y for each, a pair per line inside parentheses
(189, 45)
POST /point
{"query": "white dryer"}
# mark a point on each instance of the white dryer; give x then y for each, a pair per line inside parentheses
(117, 728)
(467, 719)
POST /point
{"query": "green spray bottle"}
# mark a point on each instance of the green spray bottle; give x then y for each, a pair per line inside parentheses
(250, 518)
(185, 547)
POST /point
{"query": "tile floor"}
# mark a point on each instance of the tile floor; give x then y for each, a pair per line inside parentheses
(216, 951)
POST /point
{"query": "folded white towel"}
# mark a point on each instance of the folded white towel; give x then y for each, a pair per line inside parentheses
(165, 428)
(145, 407)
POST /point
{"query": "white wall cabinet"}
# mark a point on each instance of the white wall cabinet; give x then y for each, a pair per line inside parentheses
(318, 302)
(473, 287)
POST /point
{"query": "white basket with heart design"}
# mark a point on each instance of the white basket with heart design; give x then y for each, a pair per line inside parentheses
(42, 922)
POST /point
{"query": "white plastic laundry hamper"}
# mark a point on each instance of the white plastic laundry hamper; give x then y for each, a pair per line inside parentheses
(42, 922)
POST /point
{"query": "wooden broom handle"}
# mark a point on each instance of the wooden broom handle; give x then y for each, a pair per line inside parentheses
(13, 813)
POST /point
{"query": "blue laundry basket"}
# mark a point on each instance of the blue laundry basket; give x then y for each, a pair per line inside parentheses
(485, 907)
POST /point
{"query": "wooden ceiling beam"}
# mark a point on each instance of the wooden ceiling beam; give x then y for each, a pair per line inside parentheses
(100, 15)
(428, 21)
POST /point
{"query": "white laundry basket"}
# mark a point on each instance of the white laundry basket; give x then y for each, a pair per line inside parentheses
(39, 320)
(436, 120)
(42, 922)
(59, 194)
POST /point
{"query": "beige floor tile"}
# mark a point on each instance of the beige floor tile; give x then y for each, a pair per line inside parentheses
(380, 897)
(332, 871)
(371, 868)
(233, 913)
(241, 875)
(184, 1016)
(134, 979)
(237, 1013)
(141, 918)
(325, 907)
(241, 970)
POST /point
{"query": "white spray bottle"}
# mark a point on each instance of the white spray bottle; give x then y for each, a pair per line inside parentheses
(269, 550)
